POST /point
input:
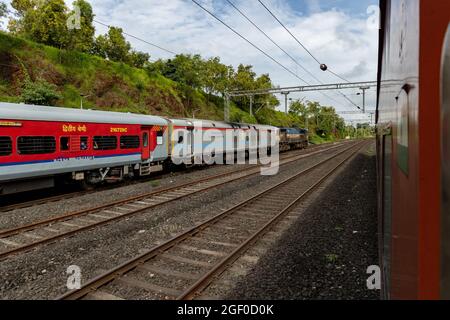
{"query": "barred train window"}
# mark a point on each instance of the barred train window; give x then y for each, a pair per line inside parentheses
(105, 143)
(5, 146)
(129, 142)
(36, 145)
(65, 143)
(84, 143)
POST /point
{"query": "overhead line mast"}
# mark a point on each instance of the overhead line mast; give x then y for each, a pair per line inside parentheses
(287, 90)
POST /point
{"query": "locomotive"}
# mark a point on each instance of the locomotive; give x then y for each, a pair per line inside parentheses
(293, 138)
(40, 145)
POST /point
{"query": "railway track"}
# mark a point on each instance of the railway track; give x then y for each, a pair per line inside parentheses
(74, 194)
(23, 238)
(184, 266)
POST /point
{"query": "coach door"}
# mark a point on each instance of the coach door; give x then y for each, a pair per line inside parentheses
(189, 141)
(145, 143)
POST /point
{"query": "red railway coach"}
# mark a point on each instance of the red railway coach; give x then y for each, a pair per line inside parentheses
(413, 184)
(39, 144)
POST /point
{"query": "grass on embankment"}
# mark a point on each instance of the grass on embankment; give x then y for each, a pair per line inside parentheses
(111, 86)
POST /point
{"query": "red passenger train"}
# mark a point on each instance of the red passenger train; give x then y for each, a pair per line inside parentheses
(413, 142)
(42, 145)
(39, 143)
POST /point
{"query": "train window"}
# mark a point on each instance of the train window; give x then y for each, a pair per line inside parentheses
(84, 144)
(105, 143)
(159, 137)
(5, 146)
(180, 139)
(36, 145)
(65, 143)
(129, 142)
(145, 139)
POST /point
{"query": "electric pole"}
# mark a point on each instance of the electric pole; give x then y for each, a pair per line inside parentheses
(364, 97)
(81, 99)
(226, 111)
(285, 93)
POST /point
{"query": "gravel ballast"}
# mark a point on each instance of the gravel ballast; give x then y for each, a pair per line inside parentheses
(18, 217)
(41, 273)
(326, 252)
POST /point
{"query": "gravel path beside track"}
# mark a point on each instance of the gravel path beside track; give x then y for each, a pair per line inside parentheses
(326, 252)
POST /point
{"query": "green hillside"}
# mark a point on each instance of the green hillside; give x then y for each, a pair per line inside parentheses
(107, 85)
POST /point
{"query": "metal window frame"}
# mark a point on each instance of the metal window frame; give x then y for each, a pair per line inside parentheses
(11, 144)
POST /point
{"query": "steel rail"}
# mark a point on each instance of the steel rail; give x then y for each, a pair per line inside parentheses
(31, 226)
(49, 222)
(128, 266)
(224, 264)
(70, 195)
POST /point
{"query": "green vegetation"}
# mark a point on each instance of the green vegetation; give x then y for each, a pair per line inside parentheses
(51, 56)
(39, 92)
(50, 22)
(155, 183)
(108, 85)
(331, 258)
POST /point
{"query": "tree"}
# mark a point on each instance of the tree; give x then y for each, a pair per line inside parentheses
(217, 76)
(25, 11)
(185, 69)
(138, 59)
(298, 108)
(50, 25)
(264, 82)
(244, 78)
(41, 21)
(299, 112)
(113, 46)
(23, 6)
(100, 46)
(81, 29)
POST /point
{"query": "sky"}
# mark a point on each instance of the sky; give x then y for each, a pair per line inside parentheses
(336, 32)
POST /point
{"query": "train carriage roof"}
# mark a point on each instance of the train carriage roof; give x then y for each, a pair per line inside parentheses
(264, 127)
(210, 123)
(12, 111)
(253, 126)
(181, 122)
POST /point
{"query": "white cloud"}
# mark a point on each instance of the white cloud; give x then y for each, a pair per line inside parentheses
(341, 41)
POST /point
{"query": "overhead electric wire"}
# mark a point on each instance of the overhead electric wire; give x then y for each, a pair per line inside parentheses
(248, 41)
(268, 37)
(139, 39)
(277, 45)
(281, 23)
(304, 47)
(299, 42)
(335, 74)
